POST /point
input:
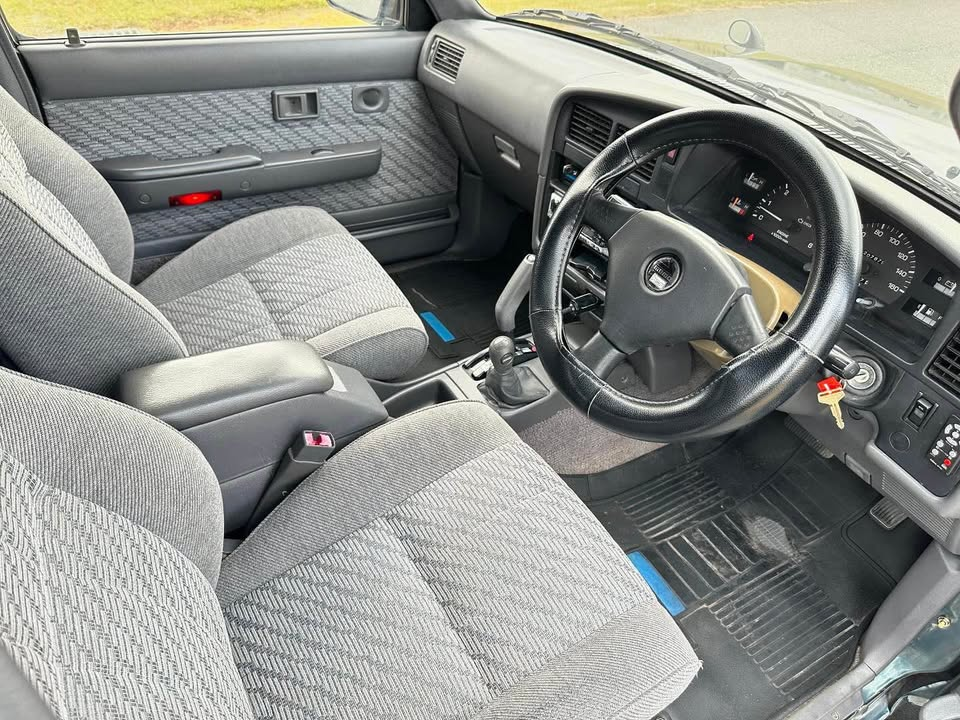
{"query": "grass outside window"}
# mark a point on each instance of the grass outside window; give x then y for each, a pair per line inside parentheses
(49, 18)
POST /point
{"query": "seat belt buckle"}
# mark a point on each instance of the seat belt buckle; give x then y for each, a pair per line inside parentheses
(306, 455)
(313, 447)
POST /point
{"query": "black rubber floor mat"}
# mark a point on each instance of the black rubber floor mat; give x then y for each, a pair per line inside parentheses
(771, 549)
(461, 296)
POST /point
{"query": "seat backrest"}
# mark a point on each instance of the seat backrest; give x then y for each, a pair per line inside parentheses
(110, 541)
(67, 313)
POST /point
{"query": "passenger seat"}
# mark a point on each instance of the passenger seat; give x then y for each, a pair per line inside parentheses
(69, 314)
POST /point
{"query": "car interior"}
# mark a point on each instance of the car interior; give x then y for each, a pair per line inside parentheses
(462, 366)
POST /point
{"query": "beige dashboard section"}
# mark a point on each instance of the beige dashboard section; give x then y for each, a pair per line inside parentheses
(775, 299)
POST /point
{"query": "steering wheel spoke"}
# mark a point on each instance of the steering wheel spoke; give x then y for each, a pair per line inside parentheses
(741, 329)
(607, 216)
(600, 355)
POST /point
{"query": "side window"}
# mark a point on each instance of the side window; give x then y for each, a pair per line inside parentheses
(101, 18)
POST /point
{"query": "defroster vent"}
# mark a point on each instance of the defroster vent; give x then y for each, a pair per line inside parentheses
(445, 58)
(946, 366)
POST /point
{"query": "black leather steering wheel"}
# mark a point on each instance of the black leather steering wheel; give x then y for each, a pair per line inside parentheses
(668, 282)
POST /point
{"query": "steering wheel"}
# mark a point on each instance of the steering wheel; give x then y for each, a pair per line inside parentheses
(668, 282)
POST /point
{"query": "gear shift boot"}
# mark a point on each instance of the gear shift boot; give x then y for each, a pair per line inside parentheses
(506, 385)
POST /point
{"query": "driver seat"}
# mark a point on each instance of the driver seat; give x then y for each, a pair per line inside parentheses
(434, 568)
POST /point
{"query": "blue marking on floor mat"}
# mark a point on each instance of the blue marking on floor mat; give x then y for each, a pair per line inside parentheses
(665, 594)
(438, 327)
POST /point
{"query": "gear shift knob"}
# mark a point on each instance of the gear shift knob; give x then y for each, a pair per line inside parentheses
(501, 352)
(506, 385)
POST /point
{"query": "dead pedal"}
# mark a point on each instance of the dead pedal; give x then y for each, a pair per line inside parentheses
(809, 438)
(887, 514)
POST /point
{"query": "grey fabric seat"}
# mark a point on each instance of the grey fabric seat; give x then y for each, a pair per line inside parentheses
(435, 568)
(70, 315)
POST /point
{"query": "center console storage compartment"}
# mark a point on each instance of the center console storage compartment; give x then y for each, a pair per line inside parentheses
(431, 391)
(243, 407)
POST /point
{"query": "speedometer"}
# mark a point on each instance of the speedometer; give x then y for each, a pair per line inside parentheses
(889, 262)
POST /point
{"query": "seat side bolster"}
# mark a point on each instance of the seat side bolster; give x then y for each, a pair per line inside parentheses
(384, 345)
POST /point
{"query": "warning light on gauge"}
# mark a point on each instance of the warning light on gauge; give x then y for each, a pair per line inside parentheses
(738, 205)
(754, 181)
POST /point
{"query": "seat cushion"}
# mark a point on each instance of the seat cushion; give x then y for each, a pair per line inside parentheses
(437, 567)
(290, 273)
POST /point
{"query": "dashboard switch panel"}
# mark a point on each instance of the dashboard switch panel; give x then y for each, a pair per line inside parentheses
(945, 452)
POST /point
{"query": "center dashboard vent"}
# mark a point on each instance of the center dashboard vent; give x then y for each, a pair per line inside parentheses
(589, 128)
(946, 366)
(594, 131)
(445, 58)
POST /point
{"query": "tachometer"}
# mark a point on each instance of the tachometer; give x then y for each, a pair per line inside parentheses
(783, 213)
(889, 262)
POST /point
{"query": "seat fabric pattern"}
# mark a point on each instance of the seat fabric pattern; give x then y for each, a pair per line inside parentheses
(66, 316)
(105, 618)
(462, 598)
(69, 178)
(291, 273)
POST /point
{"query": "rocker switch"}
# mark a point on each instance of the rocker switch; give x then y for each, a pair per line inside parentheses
(920, 410)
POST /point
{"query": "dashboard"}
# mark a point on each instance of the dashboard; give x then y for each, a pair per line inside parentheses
(528, 110)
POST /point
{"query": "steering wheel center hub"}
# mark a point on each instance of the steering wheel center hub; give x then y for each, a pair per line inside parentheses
(662, 273)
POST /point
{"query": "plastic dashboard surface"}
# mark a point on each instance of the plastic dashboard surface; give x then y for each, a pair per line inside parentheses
(518, 86)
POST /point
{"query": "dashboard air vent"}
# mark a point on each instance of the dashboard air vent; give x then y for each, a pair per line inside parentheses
(445, 58)
(589, 128)
(946, 366)
(644, 173)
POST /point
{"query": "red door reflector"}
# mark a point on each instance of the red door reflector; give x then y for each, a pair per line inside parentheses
(196, 198)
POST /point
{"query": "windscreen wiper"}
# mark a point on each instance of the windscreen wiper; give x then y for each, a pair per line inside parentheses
(828, 119)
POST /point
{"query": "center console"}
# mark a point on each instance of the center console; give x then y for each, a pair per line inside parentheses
(245, 406)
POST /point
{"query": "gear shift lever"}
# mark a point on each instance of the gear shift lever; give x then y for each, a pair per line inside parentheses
(506, 385)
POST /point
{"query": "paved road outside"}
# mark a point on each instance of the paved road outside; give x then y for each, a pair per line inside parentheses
(910, 42)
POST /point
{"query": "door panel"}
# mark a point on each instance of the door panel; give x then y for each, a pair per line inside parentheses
(144, 116)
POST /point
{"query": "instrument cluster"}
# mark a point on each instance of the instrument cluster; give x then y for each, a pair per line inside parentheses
(905, 285)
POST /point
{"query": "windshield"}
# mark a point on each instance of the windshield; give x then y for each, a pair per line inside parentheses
(879, 70)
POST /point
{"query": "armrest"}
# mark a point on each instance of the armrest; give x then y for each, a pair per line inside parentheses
(148, 167)
(244, 407)
(143, 182)
(192, 391)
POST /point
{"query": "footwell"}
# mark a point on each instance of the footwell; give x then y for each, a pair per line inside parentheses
(774, 562)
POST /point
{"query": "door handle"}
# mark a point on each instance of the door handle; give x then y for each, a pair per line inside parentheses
(296, 104)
